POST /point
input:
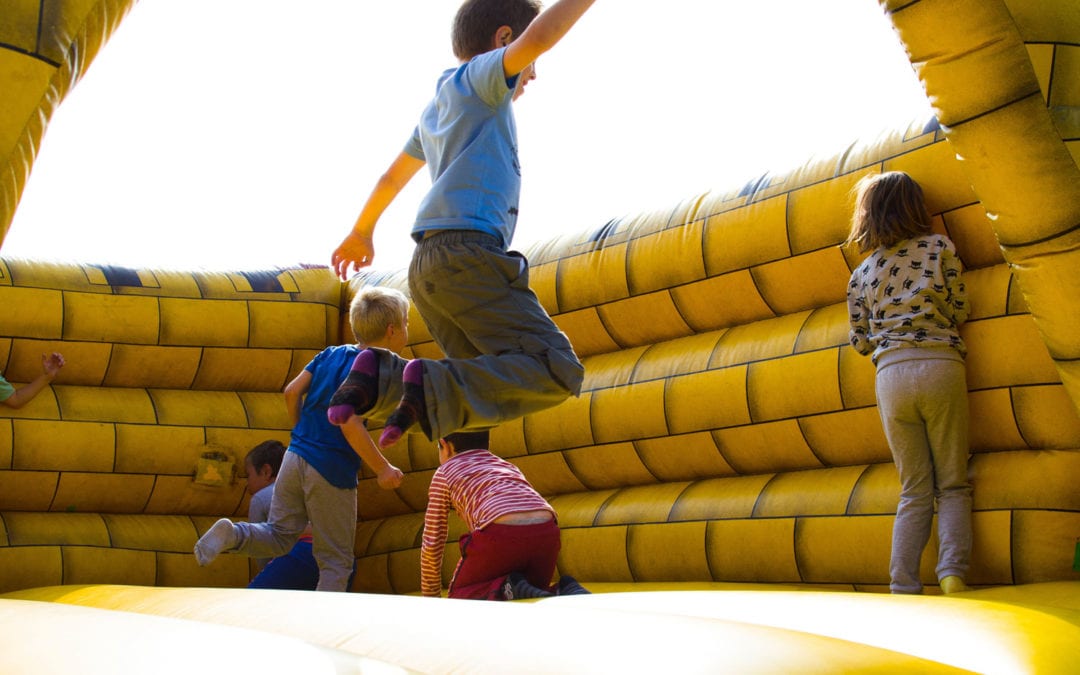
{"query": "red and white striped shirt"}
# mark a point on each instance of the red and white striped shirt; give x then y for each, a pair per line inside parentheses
(480, 487)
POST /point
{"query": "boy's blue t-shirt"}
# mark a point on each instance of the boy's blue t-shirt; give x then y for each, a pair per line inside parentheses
(6, 389)
(468, 137)
(314, 437)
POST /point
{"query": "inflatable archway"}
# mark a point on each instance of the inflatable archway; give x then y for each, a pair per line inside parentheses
(723, 482)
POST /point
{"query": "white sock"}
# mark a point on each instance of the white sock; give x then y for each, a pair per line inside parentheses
(220, 537)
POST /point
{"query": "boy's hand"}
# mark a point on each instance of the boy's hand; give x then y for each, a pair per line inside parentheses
(355, 251)
(390, 477)
(51, 364)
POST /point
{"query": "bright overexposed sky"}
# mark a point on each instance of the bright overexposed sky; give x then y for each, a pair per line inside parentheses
(246, 134)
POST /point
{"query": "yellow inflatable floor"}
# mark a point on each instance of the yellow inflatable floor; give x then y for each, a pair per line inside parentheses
(1033, 629)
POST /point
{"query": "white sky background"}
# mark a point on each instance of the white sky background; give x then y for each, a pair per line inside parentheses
(246, 134)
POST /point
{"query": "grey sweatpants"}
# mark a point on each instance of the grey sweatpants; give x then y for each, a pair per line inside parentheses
(302, 495)
(506, 358)
(924, 410)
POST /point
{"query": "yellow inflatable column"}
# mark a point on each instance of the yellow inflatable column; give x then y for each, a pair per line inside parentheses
(45, 47)
(1006, 107)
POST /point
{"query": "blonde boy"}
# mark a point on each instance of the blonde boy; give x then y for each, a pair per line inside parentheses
(318, 477)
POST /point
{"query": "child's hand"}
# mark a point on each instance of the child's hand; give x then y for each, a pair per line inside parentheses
(390, 477)
(52, 363)
(356, 252)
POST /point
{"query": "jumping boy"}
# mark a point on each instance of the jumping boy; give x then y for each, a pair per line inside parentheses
(513, 541)
(505, 356)
(317, 481)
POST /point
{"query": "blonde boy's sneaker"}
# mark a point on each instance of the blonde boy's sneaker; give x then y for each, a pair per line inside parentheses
(953, 584)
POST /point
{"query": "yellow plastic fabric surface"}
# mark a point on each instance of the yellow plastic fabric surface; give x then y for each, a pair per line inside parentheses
(701, 628)
(411, 632)
(51, 638)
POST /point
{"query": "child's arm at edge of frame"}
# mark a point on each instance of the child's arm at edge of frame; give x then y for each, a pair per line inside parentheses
(357, 250)
(387, 475)
(50, 367)
(542, 34)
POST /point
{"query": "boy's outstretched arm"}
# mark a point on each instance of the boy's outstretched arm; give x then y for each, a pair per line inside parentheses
(387, 475)
(358, 250)
(542, 34)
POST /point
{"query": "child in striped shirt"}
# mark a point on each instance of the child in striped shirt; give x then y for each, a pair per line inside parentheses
(513, 541)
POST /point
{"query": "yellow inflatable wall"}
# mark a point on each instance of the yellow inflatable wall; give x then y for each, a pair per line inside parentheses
(726, 437)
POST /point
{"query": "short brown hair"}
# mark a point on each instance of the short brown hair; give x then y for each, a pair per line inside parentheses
(373, 309)
(477, 20)
(469, 440)
(268, 452)
(889, 208)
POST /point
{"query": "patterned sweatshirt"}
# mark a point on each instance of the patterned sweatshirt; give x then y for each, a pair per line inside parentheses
(480, 487)
(908, 295)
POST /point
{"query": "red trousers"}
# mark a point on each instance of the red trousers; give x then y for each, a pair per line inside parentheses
(490, 554)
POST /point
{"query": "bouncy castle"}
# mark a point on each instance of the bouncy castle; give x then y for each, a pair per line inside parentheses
(723, 483)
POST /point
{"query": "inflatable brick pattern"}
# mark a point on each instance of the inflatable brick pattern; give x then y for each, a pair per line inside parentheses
(97, 472)
(693, 434)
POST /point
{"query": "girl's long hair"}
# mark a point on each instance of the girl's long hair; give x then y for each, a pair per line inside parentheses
(889, 208)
